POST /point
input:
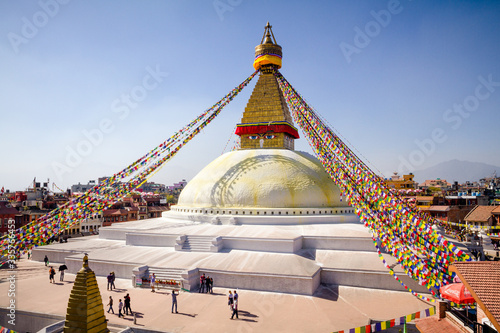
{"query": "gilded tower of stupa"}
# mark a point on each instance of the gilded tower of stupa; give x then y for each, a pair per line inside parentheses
(266, 122)
(266, 173)
(85, 310)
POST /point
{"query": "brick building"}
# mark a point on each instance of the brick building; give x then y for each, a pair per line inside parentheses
(7, 212)
(401, 183)
(441, 184)
(134, 207)
(448, 213)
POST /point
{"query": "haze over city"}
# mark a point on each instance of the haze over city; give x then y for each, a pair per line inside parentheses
(89, 87)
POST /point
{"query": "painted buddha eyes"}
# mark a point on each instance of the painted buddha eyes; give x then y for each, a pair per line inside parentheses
(267, 137)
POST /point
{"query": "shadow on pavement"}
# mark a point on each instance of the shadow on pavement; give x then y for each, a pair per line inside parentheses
(246, 314)
(247, 320)
(118, 290)
(138, 314)
(187, 314)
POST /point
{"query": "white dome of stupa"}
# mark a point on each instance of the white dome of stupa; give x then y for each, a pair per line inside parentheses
(262, 178)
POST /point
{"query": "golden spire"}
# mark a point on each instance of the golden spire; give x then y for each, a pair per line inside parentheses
(85, 309)
(266, 121)
(268, 52)
(267, 34)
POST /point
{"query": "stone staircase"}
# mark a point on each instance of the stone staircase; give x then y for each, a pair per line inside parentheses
(195, 243)
(188, 278)
(163, 273)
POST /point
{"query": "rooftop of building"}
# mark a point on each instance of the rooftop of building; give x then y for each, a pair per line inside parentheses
(434, 182)
(480, 214)
(482, 278)
(424, 197)
(439, 208)
(7, 209)
(109, 212)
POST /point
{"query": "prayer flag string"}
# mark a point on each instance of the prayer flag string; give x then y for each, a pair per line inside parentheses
(112, 189)
(402, 230)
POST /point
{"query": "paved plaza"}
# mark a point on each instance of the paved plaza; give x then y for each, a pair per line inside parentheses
(330, 309)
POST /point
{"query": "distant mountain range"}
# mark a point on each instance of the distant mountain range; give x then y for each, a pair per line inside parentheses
(456, 170)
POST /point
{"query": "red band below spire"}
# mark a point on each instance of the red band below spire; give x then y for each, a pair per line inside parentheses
(261, 128)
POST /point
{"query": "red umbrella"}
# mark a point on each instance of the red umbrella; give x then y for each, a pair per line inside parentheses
(456, 292)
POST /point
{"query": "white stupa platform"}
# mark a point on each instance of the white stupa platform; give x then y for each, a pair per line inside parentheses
(286, 258)
(260, 219)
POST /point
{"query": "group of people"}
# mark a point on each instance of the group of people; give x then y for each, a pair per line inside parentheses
(52, 271)
(125, 304)
(476, 254)
(111, 281)
(206, 284)
(121, 306)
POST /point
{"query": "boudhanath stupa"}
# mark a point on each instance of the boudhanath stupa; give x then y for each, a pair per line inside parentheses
(263, 217)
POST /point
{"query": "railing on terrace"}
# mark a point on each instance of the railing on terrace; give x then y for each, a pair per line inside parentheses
(468, 317)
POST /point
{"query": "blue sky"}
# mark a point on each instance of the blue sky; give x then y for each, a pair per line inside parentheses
(408, 84)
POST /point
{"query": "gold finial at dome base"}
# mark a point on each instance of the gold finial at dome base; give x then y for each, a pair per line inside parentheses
(86, 260)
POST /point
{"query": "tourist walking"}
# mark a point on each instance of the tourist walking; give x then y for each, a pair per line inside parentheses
(230, 300)
(211, 285)
(120, 307)
(152, 282)
(110, 304)
(29, 255)
(235, 309)
(46, 260)
(110, 281)
(127, 305)
(235, 296)
(52, 273)
(62, 268)
(113, 277)
(174, 301)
